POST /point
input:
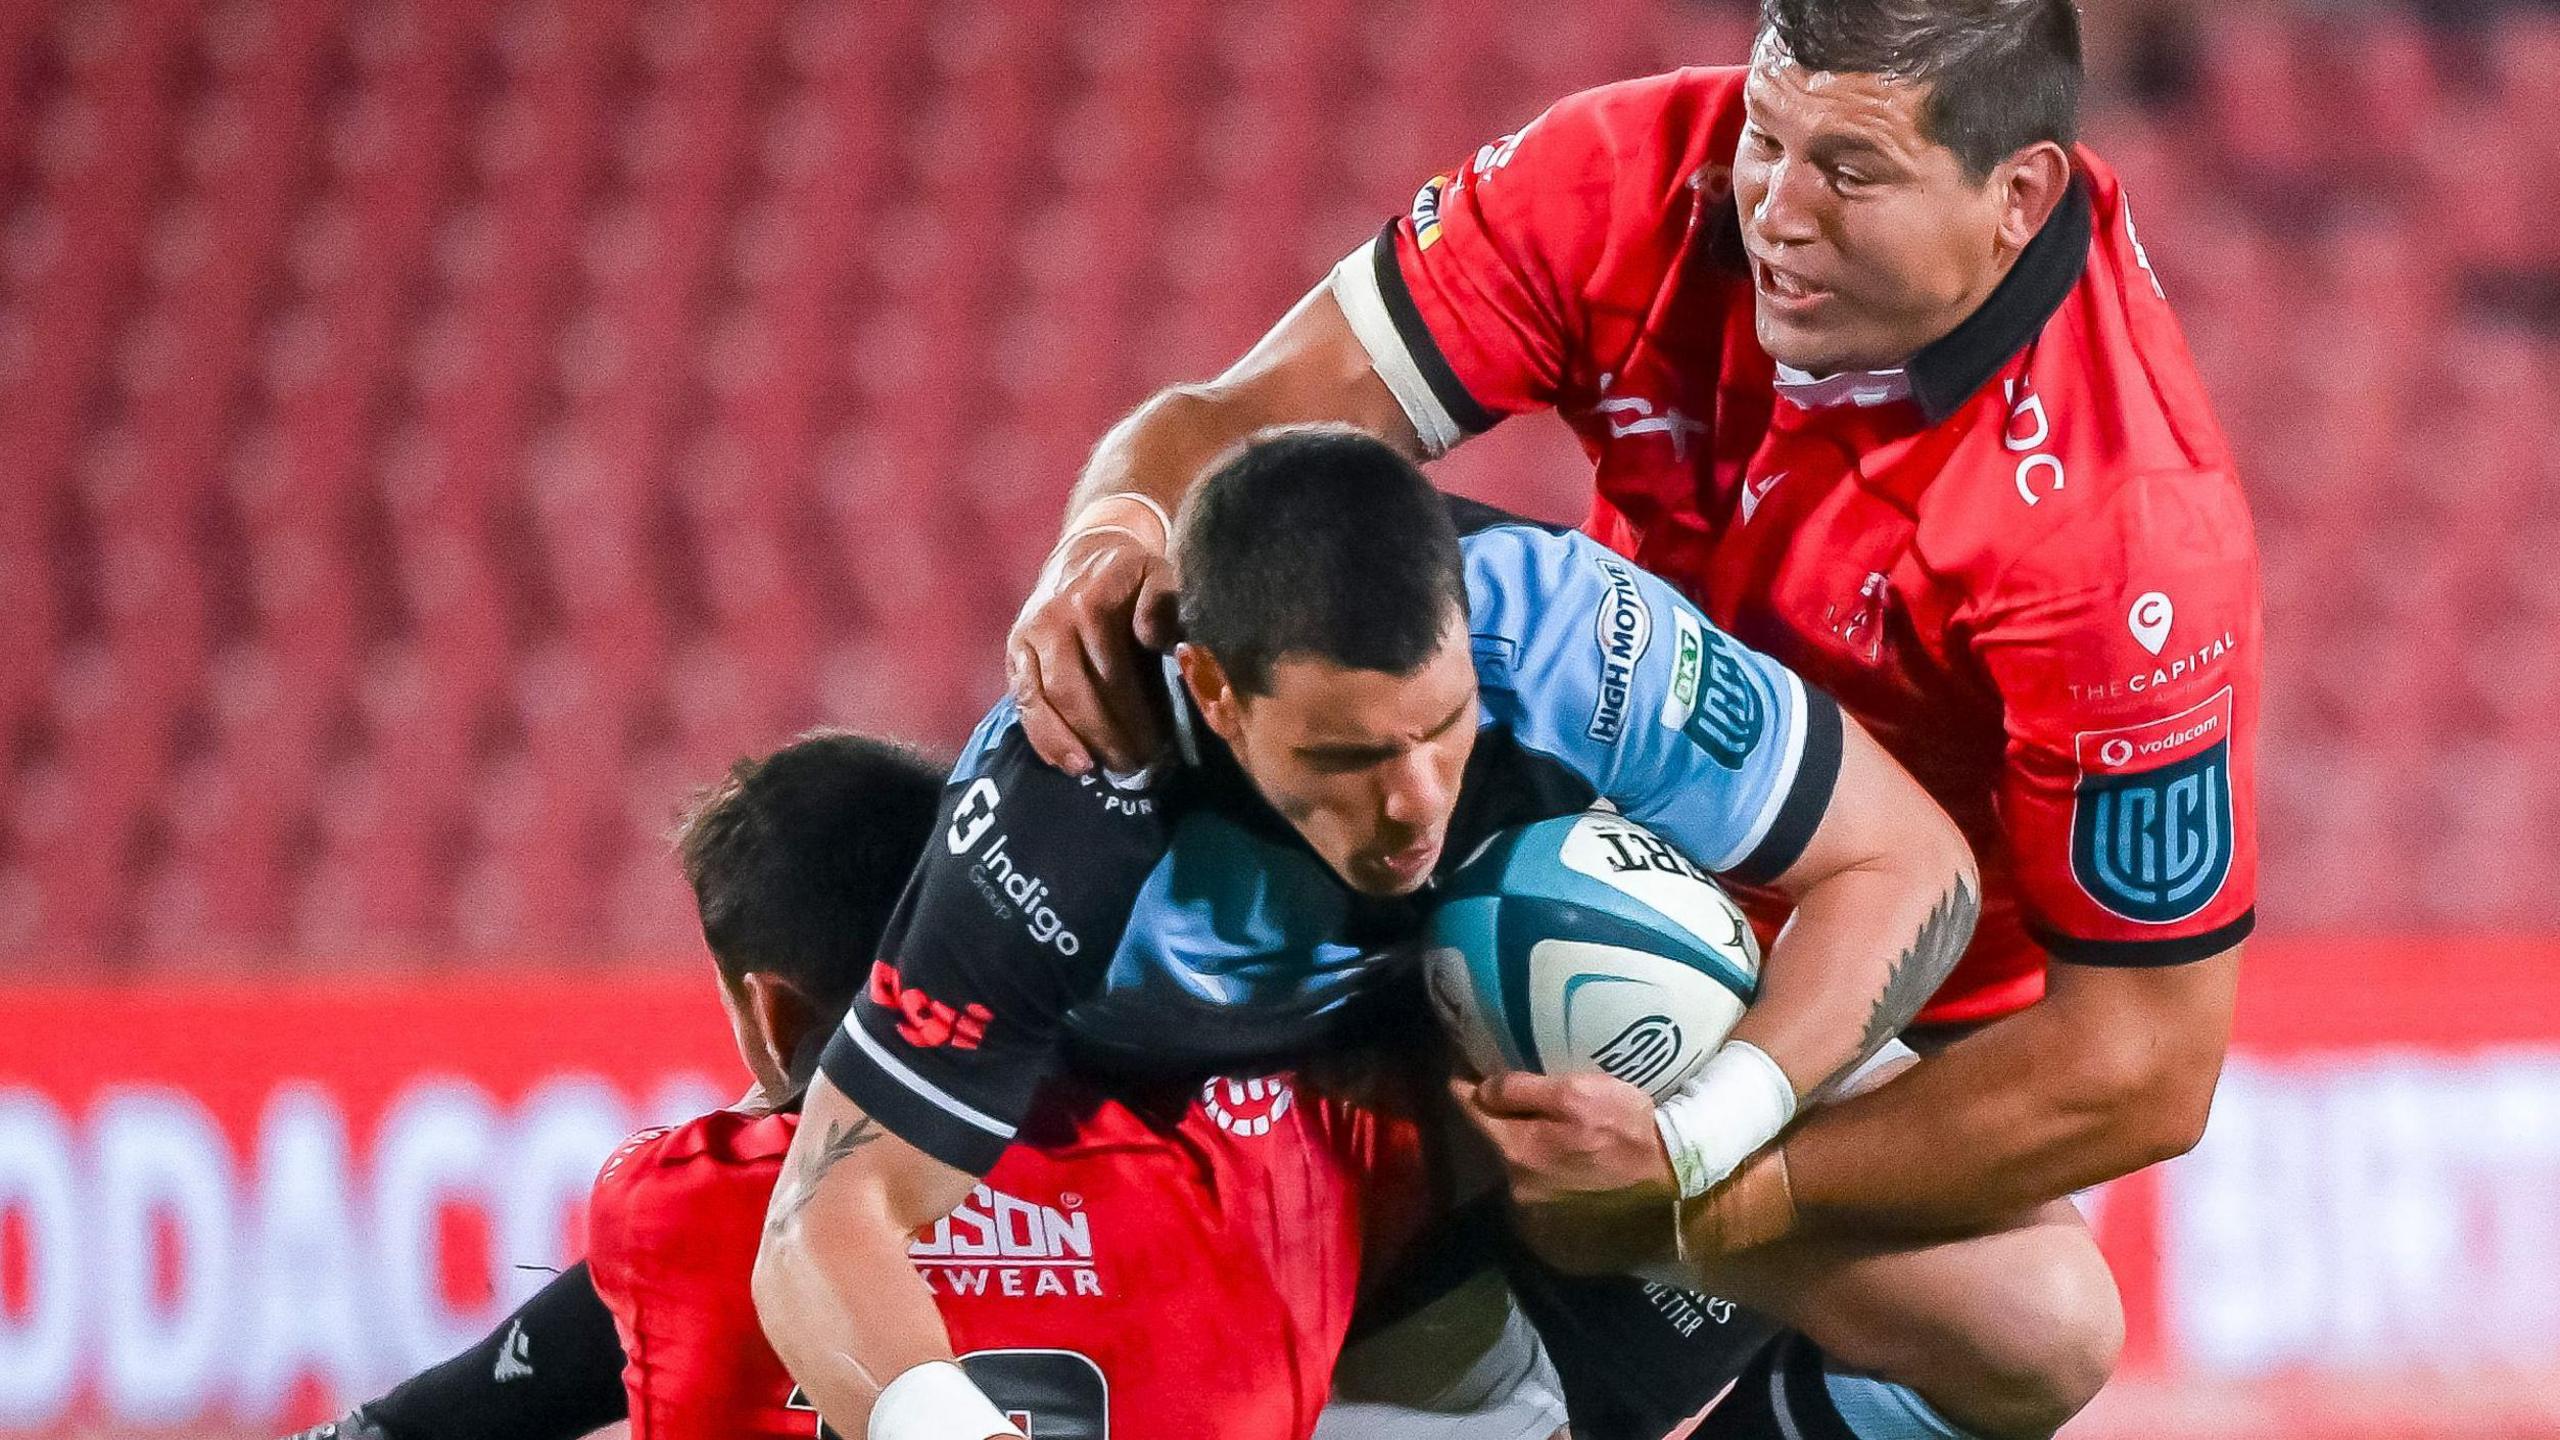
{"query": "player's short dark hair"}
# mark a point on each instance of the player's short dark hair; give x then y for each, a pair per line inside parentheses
(1318, 541)
(797, 858)
(2002, 74)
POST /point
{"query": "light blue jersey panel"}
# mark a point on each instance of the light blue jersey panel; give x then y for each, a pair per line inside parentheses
(1609, 671)
(1234, 948)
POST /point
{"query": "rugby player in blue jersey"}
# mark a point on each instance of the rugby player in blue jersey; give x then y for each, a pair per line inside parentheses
(1377, 678)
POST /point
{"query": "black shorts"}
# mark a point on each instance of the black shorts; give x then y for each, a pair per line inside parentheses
(1638, 1359)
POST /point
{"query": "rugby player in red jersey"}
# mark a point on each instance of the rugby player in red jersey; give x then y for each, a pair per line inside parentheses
(1070, 1280)
(1868, 357)
(1066, 1275)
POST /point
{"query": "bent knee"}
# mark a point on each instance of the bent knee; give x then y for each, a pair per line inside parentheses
(2051, 1348)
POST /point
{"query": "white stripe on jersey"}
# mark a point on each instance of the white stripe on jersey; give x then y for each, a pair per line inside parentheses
(897, 1070)
(1782, 788)
(1355, 289)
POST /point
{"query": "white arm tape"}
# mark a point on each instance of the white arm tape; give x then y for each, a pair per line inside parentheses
(936, 1401)
(1737, 1103)
(1355, 288)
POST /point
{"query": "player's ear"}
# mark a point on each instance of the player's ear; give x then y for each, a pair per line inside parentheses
(780, 1017)
(1211, 691)
(2031, 182)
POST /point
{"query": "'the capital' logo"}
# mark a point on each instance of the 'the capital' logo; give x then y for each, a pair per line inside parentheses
(2150, 619)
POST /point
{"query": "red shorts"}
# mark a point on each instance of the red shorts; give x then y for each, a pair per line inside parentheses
(1138, 1270)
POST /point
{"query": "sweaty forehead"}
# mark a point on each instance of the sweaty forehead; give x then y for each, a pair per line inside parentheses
(1783, 96)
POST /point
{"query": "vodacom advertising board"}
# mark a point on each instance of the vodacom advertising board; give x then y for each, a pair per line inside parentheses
(224, 1207)
(227, 1209)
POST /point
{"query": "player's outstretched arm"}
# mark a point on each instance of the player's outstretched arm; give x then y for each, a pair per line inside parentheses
(2112, 1071)
(1074, 657)
(841, 1303)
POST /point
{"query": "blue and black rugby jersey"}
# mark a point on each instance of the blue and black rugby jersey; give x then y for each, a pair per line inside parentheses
(1176, 920)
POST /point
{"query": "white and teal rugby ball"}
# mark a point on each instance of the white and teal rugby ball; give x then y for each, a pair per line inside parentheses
(1589, 943)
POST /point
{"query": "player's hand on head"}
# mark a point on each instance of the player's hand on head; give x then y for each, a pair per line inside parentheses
(1077, 658)
(1570, 1137)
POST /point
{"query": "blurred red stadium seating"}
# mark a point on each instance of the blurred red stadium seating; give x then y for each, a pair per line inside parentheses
(439, 434)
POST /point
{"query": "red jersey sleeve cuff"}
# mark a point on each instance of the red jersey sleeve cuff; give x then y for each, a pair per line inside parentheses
(2145, 954)
(1370, 288)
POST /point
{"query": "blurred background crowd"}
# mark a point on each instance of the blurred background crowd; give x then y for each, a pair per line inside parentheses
(437, 435)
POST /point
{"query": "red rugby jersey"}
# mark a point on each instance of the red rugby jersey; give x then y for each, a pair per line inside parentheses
(1116, 1274)
(2023, 561)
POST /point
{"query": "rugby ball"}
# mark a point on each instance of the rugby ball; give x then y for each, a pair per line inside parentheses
(1588, 943)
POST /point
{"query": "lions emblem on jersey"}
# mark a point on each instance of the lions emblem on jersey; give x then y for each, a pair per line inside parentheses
(2151, 819)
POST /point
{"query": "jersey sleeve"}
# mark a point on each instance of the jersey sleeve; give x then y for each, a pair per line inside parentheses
(1608, 670)
(1009, 921)
(1468, 304)
(2125, 653)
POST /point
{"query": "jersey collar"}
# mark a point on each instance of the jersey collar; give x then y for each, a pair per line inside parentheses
(1948, 370)
(1860, 388)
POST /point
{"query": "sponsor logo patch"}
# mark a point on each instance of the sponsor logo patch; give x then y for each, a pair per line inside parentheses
(2190, 665)
(1122, 794)
(1641, 1052)
(1643, 866)
(927, 1023)
(515, 1355)
(1426, 211)
(1688, 1311)
(1624, 631)
(976, 811)
(1247, 1107)
(2150, 619)
(1728, 719)
(1688, 666)
(995, 1244)
(1755, 491)
(2151, 817)
(1633, 851)
(1009, 890)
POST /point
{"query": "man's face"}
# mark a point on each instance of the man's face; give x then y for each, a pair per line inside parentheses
(1867, 239)
(1365, 764)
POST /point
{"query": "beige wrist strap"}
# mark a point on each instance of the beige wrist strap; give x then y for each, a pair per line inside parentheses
(1106, 512)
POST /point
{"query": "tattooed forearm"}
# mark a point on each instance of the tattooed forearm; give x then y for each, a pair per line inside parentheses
(801, 1184)
(1918, 971)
